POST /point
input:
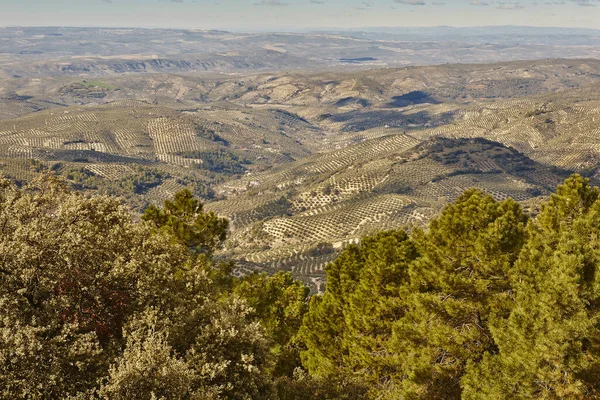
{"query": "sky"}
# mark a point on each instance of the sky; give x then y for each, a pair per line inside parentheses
(292, 15)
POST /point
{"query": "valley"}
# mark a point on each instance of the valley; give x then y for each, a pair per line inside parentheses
(303, 163)
(300, 199)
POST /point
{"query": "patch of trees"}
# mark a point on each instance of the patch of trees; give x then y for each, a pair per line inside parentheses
(96, 305)
(139, 182)
(281, 206)
(220, 161)
(487, 303)
(210, 134)
(128, 187)
(199, 189)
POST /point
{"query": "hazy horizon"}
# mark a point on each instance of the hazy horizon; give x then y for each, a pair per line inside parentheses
(294, 15)
(365, 28)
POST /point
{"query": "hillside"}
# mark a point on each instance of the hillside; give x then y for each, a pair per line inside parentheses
(379, 87)
(410, 99)
(556, 129)
(102, 52)
(113, 143)
(304, 163)
(298, 216)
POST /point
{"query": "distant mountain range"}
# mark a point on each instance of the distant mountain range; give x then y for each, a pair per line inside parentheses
(64, 51)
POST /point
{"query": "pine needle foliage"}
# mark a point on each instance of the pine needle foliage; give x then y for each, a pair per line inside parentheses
(486, 303)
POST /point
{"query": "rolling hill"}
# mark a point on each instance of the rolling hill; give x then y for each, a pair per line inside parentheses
(299, 215)
(303, 162)
(115, 141)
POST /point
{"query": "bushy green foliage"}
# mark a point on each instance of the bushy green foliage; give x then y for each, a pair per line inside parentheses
(148, 366)
(73, 271)
(484, 304)
(184, 220)
(458, 283)
(279, 303)
(548, 345)
(96, 305)
(346, 329)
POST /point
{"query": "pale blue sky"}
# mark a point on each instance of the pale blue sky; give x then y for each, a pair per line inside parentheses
(298, 14)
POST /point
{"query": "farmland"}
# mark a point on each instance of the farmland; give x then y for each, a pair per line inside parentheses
(304, 163)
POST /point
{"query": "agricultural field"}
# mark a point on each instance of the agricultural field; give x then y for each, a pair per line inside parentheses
(299, 215)
(96, 146)
(304, 163)
(558, 129)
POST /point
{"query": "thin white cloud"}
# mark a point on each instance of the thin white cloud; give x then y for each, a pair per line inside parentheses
(411, 2)
(270, 3)
(585, 3)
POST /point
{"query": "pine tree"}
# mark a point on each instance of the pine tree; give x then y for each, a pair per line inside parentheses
(184, 218)
(548, 347)
(347, 329)
(279, 302)
(459, 282)
(323, 329)
(376, 303)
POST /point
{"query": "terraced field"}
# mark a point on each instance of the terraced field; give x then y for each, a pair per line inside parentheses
(111, 142)
(296, 216)
(305, 163)
(548, 129)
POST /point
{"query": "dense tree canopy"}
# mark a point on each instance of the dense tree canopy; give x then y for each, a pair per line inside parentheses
(94, 304)
(485, 303)
(184, 219)
(548, 346)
